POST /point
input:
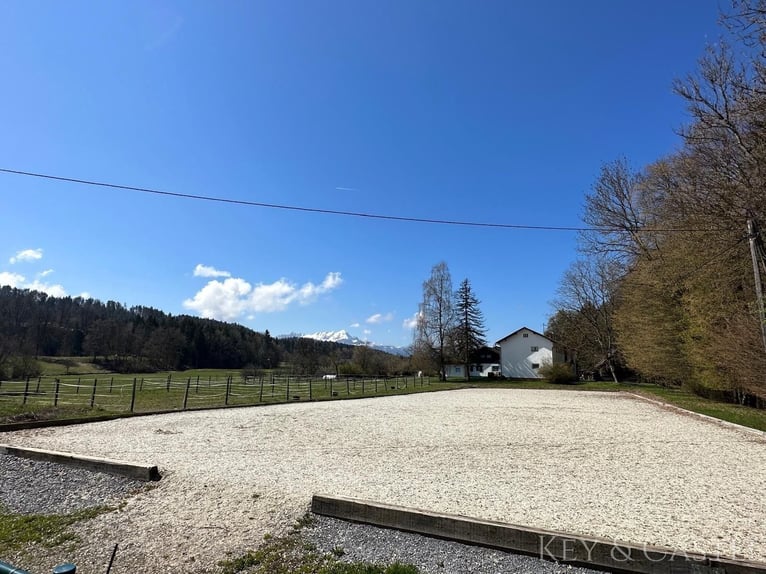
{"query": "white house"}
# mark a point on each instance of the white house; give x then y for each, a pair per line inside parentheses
(523, 352)
(484, 362)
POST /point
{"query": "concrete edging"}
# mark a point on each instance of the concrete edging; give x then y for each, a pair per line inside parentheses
(594, 552)
(118, 467)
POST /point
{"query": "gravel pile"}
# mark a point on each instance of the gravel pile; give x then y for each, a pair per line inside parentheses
(597, 464)
(37, 487)
(362, 543)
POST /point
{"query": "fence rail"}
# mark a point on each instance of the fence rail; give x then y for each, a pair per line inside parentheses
(171, 392)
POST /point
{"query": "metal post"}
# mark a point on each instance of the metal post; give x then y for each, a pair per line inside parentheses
(186, 394)
(752, 235)
(26, 392)
(133, 395)
(6, 568)
(56, 395)
(93, 393)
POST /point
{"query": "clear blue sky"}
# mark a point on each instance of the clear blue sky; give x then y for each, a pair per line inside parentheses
(491, 111)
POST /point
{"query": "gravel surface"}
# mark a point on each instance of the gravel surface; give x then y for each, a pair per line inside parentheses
(600, 464)
(37, 487)
(362, 543)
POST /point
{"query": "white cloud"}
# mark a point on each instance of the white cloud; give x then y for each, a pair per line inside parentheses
(379, 318)
(220, 300)
(27, 255)
(234, 297)
(354, 325)
(367, 332)
(11, 279)
(206, 271)
(45, 273)
(52, 290)
(20, 282)
(411, 322)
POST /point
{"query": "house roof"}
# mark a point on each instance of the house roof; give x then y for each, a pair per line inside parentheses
(519, 331)
(484, 355)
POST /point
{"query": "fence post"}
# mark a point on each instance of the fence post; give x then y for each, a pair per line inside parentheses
(133, 394)
(37, 390)
(260, 395)
(310, 394)
(348, 389)
(331, 387)
(287, 392)
(26, 392)
(186, 394)
(56, 395)
(93, 393)
(196, 389)
(362, 386)
(226, 399)
(111, 383)
(167, 386)
(77, 389)
(376, 386)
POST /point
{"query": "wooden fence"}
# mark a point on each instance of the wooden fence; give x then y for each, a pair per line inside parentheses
(158, 393)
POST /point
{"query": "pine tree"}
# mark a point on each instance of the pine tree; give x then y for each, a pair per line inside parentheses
(469, 334)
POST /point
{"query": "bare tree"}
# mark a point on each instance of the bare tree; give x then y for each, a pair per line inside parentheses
(589, 291)
(436, 318)
(620, 211)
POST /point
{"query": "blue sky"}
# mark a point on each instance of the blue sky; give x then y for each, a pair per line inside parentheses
(492, 111)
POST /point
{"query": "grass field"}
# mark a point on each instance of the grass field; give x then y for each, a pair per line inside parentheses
(99, 393)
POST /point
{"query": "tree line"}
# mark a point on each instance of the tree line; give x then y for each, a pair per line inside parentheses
(669, 282)
(144, 339)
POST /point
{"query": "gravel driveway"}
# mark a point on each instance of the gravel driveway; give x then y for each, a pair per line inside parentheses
(600, 464)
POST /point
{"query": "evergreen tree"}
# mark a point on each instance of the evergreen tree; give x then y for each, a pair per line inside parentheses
(469, 332)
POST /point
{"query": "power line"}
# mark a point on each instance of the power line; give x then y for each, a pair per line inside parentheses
(320, 210)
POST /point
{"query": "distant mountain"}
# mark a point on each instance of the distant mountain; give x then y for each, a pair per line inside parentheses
(344, 338)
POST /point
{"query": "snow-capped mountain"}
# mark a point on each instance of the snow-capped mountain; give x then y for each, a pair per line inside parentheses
(341, 336)
(344, 338)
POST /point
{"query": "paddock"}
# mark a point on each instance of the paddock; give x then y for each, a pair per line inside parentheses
(598, 464)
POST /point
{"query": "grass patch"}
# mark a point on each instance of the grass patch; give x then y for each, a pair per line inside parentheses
(208, 388)
(290, 555)
(745, 416)
(50, 530)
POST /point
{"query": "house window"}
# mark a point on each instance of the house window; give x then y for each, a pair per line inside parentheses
(535, 365)
(495, 368)
(534, 349)
(525, 335)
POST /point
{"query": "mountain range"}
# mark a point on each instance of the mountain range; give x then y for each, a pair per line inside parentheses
(344, 338)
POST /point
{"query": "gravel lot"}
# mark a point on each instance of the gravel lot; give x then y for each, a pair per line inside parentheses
(591, 463)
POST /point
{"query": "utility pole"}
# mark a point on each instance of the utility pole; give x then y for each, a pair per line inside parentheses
(755, 243)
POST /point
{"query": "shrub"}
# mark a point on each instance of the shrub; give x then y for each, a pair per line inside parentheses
(557, 373)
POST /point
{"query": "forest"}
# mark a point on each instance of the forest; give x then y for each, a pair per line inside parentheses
(669, 283)
(143, 339)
